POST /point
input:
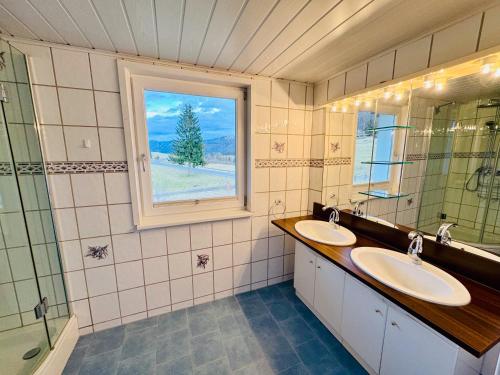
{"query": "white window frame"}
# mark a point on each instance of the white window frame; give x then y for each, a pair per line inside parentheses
(134, 79)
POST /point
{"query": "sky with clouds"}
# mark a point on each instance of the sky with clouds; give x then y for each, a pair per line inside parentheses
(216, 115)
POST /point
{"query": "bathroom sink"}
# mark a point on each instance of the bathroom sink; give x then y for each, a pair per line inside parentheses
(380, 221)
(468, 248)
(325, 232)
(423, 281)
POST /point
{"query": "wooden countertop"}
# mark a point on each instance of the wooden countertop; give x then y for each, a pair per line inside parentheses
(474, 327)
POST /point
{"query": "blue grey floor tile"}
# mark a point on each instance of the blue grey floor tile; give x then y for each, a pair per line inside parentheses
(282, 310)
(207, 348)
(173, 347)
(180, 366)
(202, 323)
(296, 330)
(143, 364)
(218, 367)
(101, 364)
(264, 332)
(139, 343)
(311, 351)
(238, 353)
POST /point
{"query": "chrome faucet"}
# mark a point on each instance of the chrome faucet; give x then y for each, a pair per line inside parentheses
(357, 210)
(334, 216)
(416, 246)
(443, 235)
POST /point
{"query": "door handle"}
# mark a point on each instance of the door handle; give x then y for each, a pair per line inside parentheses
(144, 159)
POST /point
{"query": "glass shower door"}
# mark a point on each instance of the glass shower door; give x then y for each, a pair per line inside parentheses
(29, 257)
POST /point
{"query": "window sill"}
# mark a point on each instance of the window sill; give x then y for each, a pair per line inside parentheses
(190, 218)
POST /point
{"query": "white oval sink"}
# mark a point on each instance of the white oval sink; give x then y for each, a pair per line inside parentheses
(325, 232)
(470, 249)
(423, 281)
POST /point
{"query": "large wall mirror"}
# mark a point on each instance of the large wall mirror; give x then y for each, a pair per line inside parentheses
(426, 155)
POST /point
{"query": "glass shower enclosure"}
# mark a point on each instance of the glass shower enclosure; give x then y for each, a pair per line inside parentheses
(33, 304)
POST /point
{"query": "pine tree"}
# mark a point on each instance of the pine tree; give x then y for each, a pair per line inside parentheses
(188, 146)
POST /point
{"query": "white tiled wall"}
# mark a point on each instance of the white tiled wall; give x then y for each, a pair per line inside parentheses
(154, 271)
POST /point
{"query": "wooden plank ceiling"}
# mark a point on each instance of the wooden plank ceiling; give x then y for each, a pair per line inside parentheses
(306, 40)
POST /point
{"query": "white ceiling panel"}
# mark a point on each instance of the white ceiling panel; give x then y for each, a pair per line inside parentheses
(84, 14)
(142, 20)
(224, 19)
(61, 20)
(282, 15)
(313, 12)
(28, 15)
(255, 13)
(197, 16)
(169, 16)
(113, 16)
(304, 40)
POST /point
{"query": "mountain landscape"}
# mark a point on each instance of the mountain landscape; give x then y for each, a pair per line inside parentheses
(223, 145)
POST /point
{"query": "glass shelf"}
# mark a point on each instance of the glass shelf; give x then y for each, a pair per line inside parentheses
(393, 127)
(384, 194)
(387, 162)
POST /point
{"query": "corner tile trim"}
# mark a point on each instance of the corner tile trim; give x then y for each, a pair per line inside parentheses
(315, 163)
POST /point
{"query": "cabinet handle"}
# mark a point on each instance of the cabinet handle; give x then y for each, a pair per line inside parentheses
(311, 262)
(394, 324)
(378, 312)
(319, 267)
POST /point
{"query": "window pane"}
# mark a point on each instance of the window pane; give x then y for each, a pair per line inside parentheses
(192, 140)
(382, 147)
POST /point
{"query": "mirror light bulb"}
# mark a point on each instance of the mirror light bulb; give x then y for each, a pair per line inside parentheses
(486, 68)
(428, 84)
(497, 73)
(357, 102)
(334, 108)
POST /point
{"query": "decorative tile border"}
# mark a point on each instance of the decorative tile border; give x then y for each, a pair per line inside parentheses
(315, 163)
(5, 169)
(78, 167)
(29, 168)
(448, 155)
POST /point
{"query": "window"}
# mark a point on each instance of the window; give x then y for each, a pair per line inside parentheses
(380, 144)
(186, 147)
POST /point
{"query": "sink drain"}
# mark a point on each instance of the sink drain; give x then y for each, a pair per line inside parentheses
(31, 353)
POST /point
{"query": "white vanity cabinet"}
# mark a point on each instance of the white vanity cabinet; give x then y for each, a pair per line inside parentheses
(387, 339)
(364, 314)
(413, 349)
(320, 283)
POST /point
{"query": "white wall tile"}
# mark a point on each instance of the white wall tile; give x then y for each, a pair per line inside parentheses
(242, 229)
(117, 188)
(100, 280)
(47, 104)
(112, 144)
(178, 239)
(71, 254)
(104, 72)
(109, 110)
(120, 217)
(158, 295)
(222, 232)
(297, 96)
(88, 189)
(201, 235)
(82, 310)
(77, 107)
(279, 93)
(203, 284)
(129, 275)
(132, 301)
(60, 190)
(223, 279)
(76, 286)
(276, 246)
(66, 63)
(242, 274)
(156, 270)
(223, 256)
(262, 92)
(104, 308)
(199, 268)
(65, 221)
(259, 271)
(40, 61)
(153, 243)
(181, 289)
(275, 267)
(260, 227)
(242, 252)
(260, 249)
(75, 137)
(53, 136)
(92, 221)
(179, 265)
(126, 247)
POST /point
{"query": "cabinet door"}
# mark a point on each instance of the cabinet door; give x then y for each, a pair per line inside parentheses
(305, 268)
(363, 321)
(413, 349)
(329, 291)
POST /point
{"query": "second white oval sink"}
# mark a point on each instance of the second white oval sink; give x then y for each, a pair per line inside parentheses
(325, 232)
(423, 281)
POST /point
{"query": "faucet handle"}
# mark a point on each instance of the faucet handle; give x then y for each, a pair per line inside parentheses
(414, 234)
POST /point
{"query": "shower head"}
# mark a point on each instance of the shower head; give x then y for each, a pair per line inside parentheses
(437, 108)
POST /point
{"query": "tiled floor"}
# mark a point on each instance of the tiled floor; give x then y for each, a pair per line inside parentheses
(268, 331)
